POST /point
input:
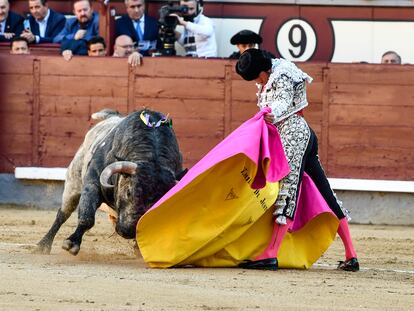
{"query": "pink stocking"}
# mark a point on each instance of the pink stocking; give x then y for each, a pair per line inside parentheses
(272, 248)
(343, 231)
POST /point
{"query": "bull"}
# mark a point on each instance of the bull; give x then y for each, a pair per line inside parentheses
(128, 162)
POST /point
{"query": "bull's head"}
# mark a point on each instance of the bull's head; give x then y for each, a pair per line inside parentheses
(139, 186)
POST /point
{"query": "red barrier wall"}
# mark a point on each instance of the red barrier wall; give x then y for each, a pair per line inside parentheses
(362, 114)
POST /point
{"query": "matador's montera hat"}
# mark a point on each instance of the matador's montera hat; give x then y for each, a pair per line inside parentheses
(251, 63)
(245, 37)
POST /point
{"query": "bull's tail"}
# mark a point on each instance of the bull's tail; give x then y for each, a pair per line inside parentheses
(105, 114)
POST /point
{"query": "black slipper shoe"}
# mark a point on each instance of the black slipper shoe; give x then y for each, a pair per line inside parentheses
(263, 264)
(349, 265)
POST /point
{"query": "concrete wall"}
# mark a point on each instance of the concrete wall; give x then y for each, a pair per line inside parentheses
(28, 193)
(388, 208)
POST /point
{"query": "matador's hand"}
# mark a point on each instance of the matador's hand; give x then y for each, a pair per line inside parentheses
(269, 118)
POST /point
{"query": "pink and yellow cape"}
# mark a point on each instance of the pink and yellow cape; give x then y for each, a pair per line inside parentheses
(220, 213)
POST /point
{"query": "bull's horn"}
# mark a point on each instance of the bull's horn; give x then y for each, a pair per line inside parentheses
(116, 167)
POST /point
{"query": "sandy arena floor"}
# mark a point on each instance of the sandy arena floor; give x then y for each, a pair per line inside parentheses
(106, 275)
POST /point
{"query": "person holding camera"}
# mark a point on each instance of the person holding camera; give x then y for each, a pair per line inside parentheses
(198, 38)
(142, 28)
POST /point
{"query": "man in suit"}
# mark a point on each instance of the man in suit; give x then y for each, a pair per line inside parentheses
(78, 30)
(142, 28)
(45, 24)
(11, 24)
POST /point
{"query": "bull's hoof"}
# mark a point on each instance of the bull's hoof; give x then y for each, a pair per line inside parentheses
(42, 248)
(71, 247)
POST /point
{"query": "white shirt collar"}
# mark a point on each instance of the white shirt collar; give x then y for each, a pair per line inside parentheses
(142, 19)
(44, 21)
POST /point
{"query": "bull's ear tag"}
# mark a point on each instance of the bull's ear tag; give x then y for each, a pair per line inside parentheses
(145, 119)
(166, 121)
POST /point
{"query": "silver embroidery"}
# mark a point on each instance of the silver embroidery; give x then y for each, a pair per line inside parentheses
(285, 94)
(295, 135)
(281, 66)
(342, 207)
(285, 91)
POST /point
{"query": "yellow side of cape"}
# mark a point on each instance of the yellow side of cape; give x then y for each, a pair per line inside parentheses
(217, 220)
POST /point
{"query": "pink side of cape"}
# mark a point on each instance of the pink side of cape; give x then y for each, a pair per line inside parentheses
(257, 140)
(261, 143)
(310, 203)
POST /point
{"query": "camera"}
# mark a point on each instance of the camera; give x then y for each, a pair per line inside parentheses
(167, 25)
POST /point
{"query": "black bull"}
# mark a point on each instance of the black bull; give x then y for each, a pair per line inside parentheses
(129, 163)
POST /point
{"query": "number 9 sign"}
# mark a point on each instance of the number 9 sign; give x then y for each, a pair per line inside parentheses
(296, 40)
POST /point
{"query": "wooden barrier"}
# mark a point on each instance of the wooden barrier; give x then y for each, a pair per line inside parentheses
(362, 114)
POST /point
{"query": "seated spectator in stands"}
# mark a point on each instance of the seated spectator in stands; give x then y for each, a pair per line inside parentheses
(78, 30)
(142, 28)
(11, 24)
(247, 39)
(45, 24)
(124, 47)
(19, 45)
(96, 46)
(199, 37)
(390, 57)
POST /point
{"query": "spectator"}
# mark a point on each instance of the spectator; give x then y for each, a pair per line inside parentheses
(78, 30)
(138, 26)
(247, 39)
(96, 46)
(124, 47)
(45, 24)
(11, 24)
(19, 45)
(198, 38)
(390, 57)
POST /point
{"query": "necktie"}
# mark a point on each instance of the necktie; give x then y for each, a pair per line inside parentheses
(139, 31)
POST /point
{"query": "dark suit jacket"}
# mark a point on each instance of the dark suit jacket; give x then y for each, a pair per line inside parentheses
(55, 24)
(14, 24)
(66, 37)
(125, 26)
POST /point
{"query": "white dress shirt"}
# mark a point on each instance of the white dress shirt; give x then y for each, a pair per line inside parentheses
(2, 26)
(141, 24)
(42, 26)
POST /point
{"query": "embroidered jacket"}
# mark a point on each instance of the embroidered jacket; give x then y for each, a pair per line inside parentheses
(285, 94)
(285, 91)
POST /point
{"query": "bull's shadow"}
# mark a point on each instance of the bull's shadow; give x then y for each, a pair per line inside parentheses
(128, 162)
